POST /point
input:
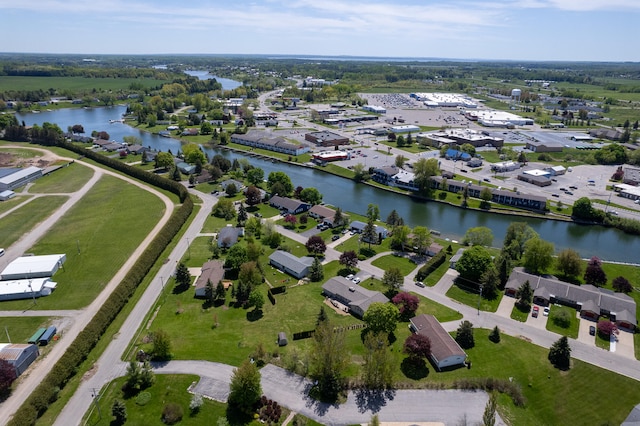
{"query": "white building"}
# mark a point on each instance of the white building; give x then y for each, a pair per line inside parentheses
(445, 100)
(29, 267)
(405, 129)
(375, 108)
(12, 178)
(26, 288)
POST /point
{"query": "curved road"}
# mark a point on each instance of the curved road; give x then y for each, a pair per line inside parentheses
(43, 365)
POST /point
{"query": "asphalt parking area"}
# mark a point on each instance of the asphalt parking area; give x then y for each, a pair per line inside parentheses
(624, 345)
(583, 332)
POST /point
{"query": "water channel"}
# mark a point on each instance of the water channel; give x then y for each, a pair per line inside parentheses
(452, 222)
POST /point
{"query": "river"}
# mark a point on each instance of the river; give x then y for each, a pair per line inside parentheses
(606, 243)
(227, 83)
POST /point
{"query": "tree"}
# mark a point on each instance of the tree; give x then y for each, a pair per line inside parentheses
(284, 188)
(381, 317)
(560, 353)
(221, 293)
(311, 196)
(518, 233)
(394, 219)
(525, 296)
(464, 335)
(478, 236)
(400, 160)
(569, 263)
(494, 336)
(164, 160)
(407, 304)
(316, 245)
(250, 274)
(594, 274)
(316, 271)
(377, 370)
(176, 175)
(606, 328)
(224, 208)
(468, 148)
(245, 389)
(7, 377)
(236, 257)
(349, 259)
(486, 196)
(424, 169)
(369, 234)
(209, 292)
(393, 279)
(417, 346)
(242, 215)
(582, 209)
(192, 153)
(161, 345)
(183, 278)
(538, 255)
(255, 176)
(373, 212)
(473, 263)
(503, 265)
(421, 239)
(290, 220)
(490, 280)
(253, 226)
(489, 415)
(328, 361)
(339, 220)
(622, 285)
(256, 299)
(322, 316)
(231, 189)
(119, 412)
(400, 237)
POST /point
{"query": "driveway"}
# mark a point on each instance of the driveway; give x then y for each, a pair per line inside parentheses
(624, 345)
(583, 332)
(446, 281)
(539, 322)
(506, 306)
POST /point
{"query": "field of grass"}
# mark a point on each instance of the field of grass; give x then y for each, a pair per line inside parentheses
(24, 219)
(518, 315)
(391, 261)
(19, 329)
(62, 181)
(72, 83)
(469, 296)
(97, 235)
(11, 203)
(574, 322)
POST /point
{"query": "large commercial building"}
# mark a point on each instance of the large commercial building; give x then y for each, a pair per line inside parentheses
(29, 267)
(444, 100)
(460, 137)
(493, 118)
(265, 140)
(325, 138)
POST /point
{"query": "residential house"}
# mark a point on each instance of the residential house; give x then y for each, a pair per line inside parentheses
(213, 271)
(19, 355)
(190, 132)
(356, 298)
(445, 351)
(185, 167)
(325, 214)
(136, 149)
(239, 185)
(229, 235)
(289, 205)
(297, 267)
(359, 227)
(434, 249)
(454, 259)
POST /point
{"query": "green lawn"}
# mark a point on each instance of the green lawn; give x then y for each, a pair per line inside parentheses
(12, 202)
(518, 315)
(19, 329)
(24, 219)
(390, 261)
(167, 388)
(574, 322)
(469, 296)
(97, 235)
(66, 180)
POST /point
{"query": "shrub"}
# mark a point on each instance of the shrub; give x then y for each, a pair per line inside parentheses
(195, 404)
(172, 413)
(431, 265)
(562, 319)
(143, 398)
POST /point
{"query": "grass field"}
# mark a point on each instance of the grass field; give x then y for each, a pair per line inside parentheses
(63, 181)
(518, 315)
(391, 261)
(11, 203)
(24, 219)
(470, 297)
(18, 329)
(72, 83)
(98, 235)
(574, 322)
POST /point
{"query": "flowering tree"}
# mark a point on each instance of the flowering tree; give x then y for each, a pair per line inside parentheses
(291, 220)
(407, 303)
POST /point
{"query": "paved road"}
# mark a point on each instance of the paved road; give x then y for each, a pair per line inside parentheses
(42, 366)
(109, 367)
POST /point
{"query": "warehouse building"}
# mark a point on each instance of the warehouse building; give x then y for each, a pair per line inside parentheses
(20, 356)
(30, 267)
(12, 178)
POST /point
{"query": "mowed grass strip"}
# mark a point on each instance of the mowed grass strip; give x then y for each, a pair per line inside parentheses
(62, 181)
(98, 235)
(12, 202)
(19, 329)
(390, 261)
(24, 219)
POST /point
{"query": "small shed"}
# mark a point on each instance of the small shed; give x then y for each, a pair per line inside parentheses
(282, 339)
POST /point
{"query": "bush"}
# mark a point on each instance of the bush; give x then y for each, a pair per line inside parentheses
(143, 398)
(172, 413)
(195, 404)
(431, 265)
(562, 319)
(490, 384)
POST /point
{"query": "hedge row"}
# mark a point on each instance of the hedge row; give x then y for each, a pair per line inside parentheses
(303, 335)
(67, 366)
(490, 384)
(431, 265)
(272, 299)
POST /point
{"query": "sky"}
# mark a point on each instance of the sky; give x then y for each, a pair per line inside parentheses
(537, 30)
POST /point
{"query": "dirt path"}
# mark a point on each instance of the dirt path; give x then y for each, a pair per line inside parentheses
(43, 366)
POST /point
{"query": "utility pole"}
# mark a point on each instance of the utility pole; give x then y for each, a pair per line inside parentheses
(188, 247)
(479, 299)
(95, 395)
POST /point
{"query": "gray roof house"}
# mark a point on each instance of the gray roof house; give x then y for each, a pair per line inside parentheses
(445, 351)
(325, 214)
(290, 205)
(356, 298)
(19, 355)
(213, 271)
(591, 301)
(359, 226)
(229, 235)
(239, 185)
(292, 265)
(454, 259)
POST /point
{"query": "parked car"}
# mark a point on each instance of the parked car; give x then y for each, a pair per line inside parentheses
(486, 180)
(535, 312)
(350, 277)
(356, 280)
(545, 311)
(568, 192)
(420, 284)
(335, 237)
(573, 187)
(554, 195)
(1, 252)
(592, 330)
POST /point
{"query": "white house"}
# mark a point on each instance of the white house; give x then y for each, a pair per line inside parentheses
(445, 351)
